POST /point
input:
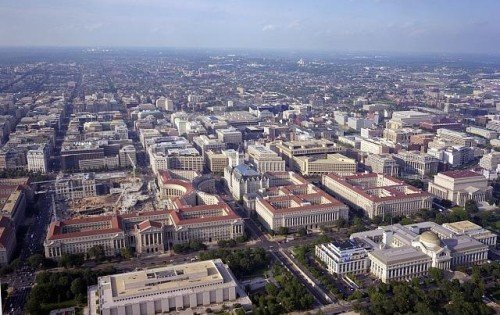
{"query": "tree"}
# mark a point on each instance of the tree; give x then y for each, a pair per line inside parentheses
(302, 231)
(126, 253)
(283, 230)
(96, 252)
(16, 263)
(471, 206)
(78, 287)
(36, 261)
(436, 274)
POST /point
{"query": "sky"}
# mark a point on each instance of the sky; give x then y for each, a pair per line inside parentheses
(407, 26)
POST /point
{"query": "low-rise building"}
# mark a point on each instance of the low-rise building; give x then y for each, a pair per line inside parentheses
(288, 150)
(377, 194)
(347, 257)
(382, 164)
(460, 186)
(331, 163)
(7, 240)
(416, 163)
(399, 252)
(165, 289)
(297, 204)
(265, 159)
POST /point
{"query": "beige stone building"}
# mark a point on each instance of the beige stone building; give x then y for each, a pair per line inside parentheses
(460, 186)
(377, 194)
(287, 150)
(382, 164)
(331, 163)
(400, 253)
(298, 204)
(216, 162)
(190, 215)
(265, 159)
(416, 163)
(166, 289)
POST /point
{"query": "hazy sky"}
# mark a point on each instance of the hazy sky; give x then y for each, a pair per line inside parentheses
(334, 25)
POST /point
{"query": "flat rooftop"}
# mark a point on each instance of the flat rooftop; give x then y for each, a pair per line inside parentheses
(397, 255)
(164, 282)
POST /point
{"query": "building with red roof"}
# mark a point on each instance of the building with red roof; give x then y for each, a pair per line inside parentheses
(377, 194)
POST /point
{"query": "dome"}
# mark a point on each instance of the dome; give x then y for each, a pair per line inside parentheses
(430, 239)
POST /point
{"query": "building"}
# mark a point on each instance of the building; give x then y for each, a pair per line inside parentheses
(216, 162)
(382, 164)
(243, 179)
(287, 150)
(7, 240)
(231, 136)
(460, 186)
(398, 253)
(399, 136)
(490, 161)
(13, 199)
(472, 230)
(165, 289)
(377, 194)
(75, 186)
(398, 264)
(38, 160)
(297, 204)
(454, 155)
(127, 156)
(438, 123)
(265, 159)
(482, 132)
(165, 103)
(410, 118)
(318, 165)
(204, 144)
(189, 215)
(416, 163)
(373, 146)
(344, 258)
(456, 137)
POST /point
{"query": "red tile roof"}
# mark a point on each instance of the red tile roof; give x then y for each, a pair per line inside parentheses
(460, 174)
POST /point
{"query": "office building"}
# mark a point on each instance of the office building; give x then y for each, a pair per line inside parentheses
(297, 204)
(7, 240)
(460, 186)
(382, 164)
(287, 150)
(377, 194)
(165, 289)
(324, 164)
(344, 258)
(398, 253)
(456, 137)
(231, 136)
(265, 159)
(416, 163)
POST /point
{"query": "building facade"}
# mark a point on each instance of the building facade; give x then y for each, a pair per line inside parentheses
(164, 289)
(377, 194)
(460, 186)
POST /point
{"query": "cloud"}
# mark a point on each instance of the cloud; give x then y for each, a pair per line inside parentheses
(269, 28)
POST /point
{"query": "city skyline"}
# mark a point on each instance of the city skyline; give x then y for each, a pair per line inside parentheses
(340, 26)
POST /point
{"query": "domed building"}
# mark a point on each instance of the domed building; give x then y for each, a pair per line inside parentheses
(429, 243)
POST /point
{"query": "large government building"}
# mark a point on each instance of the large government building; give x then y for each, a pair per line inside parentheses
(460, 186)
(190, 215)
(398, 252)
(377, 194)
(196, 285)
(292, 202)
